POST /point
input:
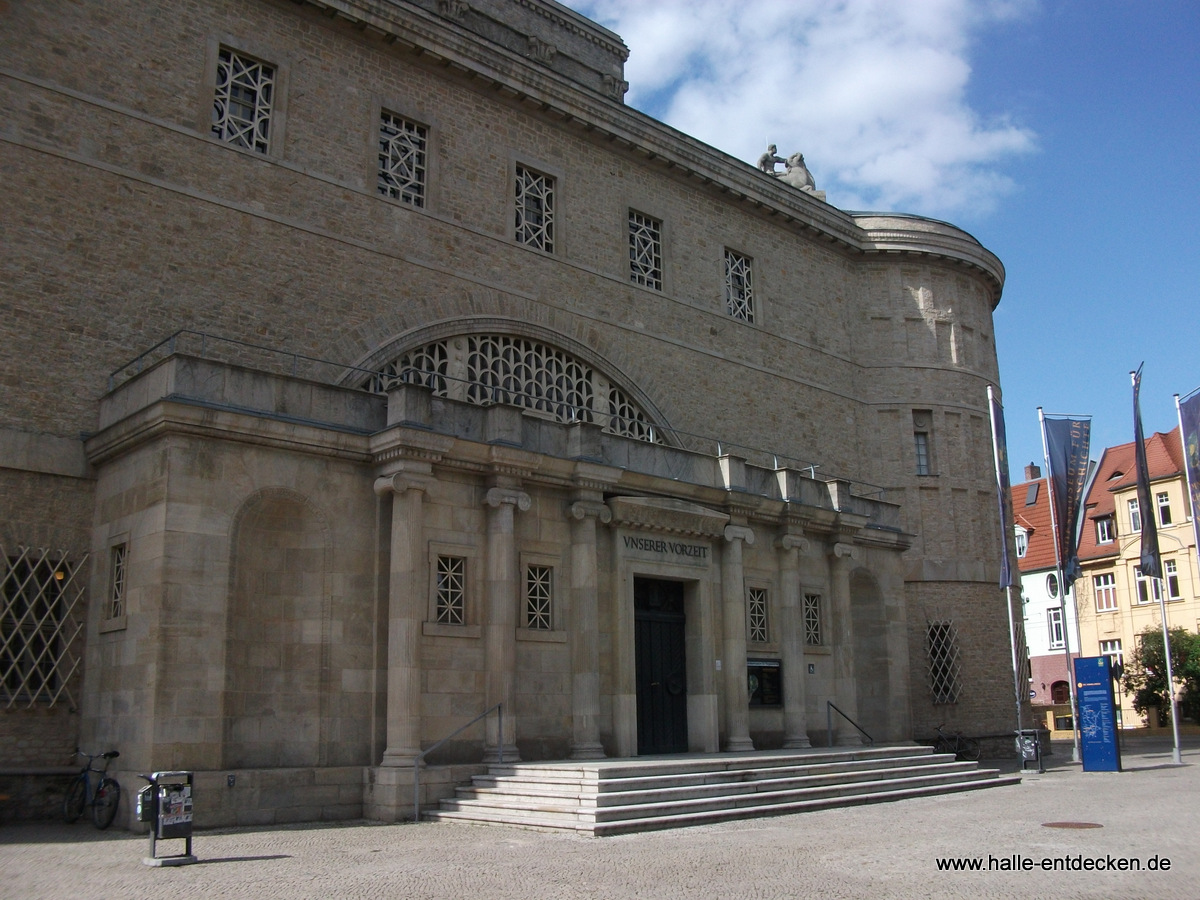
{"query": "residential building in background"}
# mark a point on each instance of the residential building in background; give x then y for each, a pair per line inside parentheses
(1048, 633)
(1116, 602)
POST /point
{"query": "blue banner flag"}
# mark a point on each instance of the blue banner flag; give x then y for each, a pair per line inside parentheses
(1000, 454)
(1067, 447)
(1149, 561)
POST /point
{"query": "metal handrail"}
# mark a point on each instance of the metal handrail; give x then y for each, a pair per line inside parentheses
(830, 708)
(420, 757)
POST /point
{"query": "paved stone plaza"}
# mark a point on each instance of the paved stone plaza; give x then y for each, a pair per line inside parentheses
(888, 851)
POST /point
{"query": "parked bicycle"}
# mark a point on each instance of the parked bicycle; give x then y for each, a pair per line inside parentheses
(92, 787)
(963, 748)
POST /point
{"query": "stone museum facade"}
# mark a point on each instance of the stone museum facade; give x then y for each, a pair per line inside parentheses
(368, 363)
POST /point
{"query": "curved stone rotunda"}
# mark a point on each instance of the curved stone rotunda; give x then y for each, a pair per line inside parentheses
(368, 364)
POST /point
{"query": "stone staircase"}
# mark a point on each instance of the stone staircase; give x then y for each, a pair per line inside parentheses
(616, 796)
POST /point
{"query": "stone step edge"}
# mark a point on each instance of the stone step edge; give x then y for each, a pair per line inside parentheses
(752, 800)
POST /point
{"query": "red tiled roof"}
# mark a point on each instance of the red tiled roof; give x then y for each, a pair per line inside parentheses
(1117, 471)
(1035, 519)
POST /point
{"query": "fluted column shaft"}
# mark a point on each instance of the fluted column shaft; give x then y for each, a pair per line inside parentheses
(733, 592)
(501, 600)
(585, 629)
(795, 717)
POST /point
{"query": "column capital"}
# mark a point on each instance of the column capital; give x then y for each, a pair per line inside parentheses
(497, 497)
(844, 551)
(739, 533)
(401, 483)
(583, 509)
(793, 542)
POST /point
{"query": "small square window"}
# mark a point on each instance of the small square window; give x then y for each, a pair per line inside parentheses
(757, 608)
(813, 635)
(1022, 540)
(116, 580)
(539, 596)
(403, 162)
(1105, 533)
(535, 209)
(451, 595)
(645, 251)
(243, 101)
(739, 287)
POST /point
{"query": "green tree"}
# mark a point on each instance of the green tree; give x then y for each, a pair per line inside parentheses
(1146, 673)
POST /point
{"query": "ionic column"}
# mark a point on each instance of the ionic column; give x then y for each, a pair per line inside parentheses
(842, 557)
(795, 719)
(406, 612)
(733, 592)
(585, 629)
(501, 597)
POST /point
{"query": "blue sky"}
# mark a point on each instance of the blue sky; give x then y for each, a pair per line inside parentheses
(1064, 135)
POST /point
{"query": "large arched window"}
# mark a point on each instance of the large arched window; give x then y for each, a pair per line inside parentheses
(497, 368)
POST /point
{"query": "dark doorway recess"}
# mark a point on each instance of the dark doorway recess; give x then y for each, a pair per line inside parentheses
(661, 669)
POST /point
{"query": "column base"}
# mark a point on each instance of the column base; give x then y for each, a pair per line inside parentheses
(405, 757)
(492, 755)
(588, 750)
(738, 745)
(797, 743)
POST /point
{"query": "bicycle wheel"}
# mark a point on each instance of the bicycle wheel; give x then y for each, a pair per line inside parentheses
(968, 749)
(941, 745)
(75, 800)
(104, 807)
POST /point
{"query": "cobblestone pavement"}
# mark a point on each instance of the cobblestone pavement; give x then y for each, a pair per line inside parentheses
(1148, 812)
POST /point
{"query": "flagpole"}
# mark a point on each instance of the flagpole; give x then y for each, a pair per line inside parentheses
(1162, 600)
(1062, 599)
(1012, 633)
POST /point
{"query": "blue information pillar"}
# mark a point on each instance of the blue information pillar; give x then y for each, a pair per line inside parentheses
(1097, 714)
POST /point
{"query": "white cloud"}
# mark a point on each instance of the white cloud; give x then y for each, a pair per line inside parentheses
(873, 92)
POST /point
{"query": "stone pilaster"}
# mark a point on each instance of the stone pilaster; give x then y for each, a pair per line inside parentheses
(585, 629)
(841, 561)
(406, 611)
(733, 593)
(501, 595)
(795, 721)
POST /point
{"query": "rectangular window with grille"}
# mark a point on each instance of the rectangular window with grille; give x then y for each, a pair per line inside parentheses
(757, 609)
(116, 580)
(813, 635)
(39, 624)
(451, 597)
(535, 209)
(645, 251)
(739, 287)
(403, 166)
(539, 596)
(243, 101)
(1106, 592)
(944, 666)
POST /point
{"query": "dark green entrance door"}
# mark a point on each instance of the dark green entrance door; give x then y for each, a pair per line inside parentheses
(661, 678)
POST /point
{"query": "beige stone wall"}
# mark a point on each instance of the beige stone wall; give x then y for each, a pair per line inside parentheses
(128, 222)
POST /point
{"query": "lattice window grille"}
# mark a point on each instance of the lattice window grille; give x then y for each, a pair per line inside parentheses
(739, 289)
(645, 251)
(758, 615)
(539, 587)
(116, 581)
(521, 372)
(451, 590)
(402, 159)
(812, 620)
(244, 96)
(42, 616)
(535, 209)
(945, 668)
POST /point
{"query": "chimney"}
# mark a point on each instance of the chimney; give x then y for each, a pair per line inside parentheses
(1032, 472)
